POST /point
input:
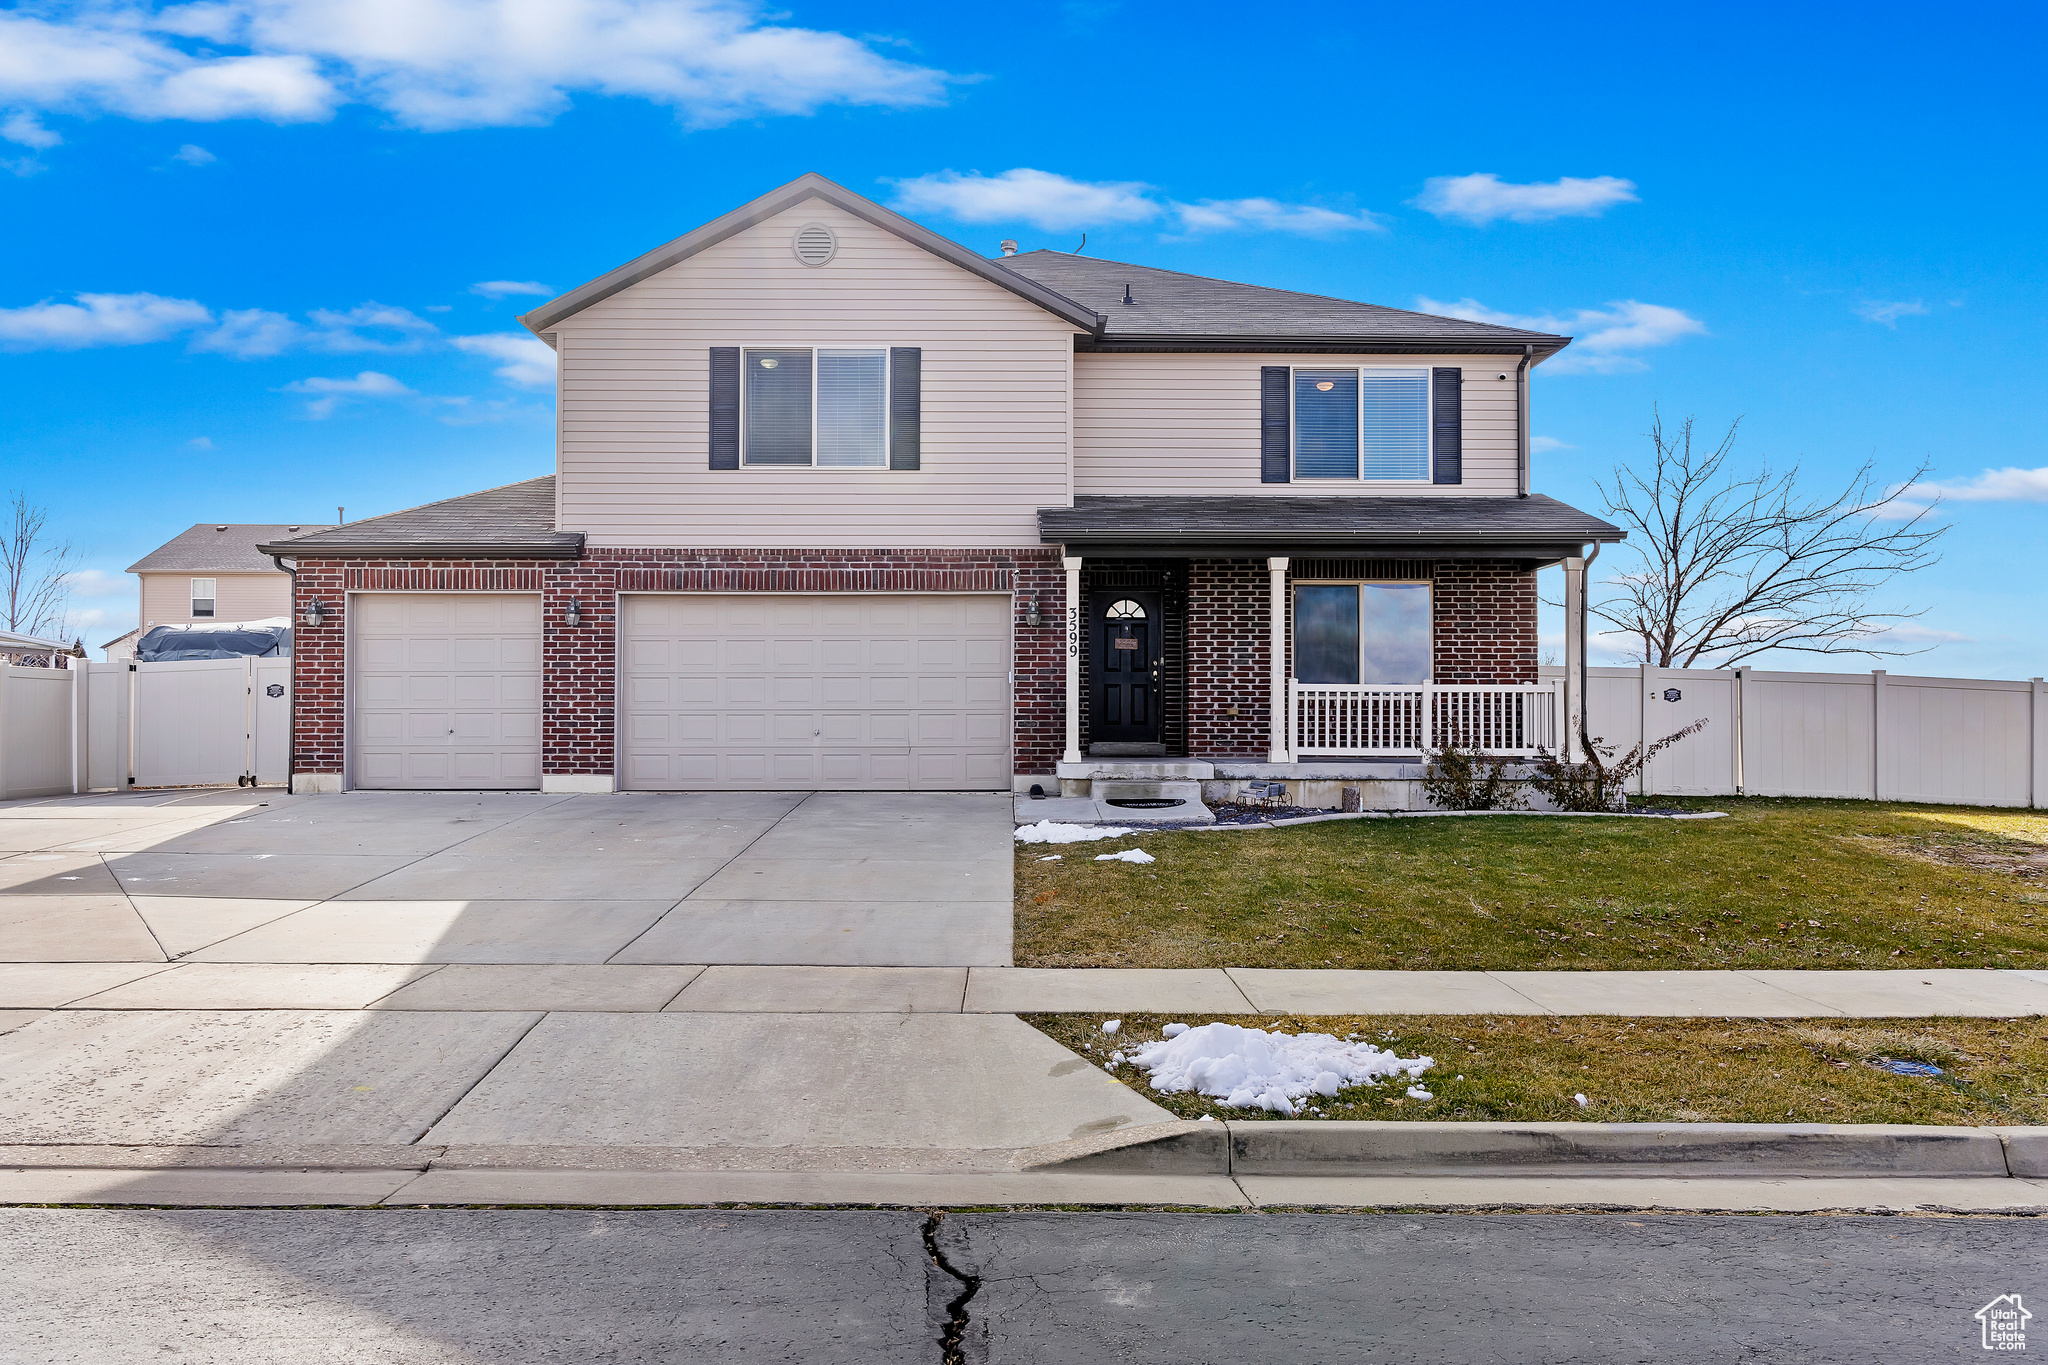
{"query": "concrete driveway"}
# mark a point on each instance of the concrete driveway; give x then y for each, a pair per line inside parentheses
(820, 879)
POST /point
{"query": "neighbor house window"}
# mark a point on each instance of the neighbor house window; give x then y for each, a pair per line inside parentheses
(816, 406)
(202, 597)
(1367, 423)
(1351, 633)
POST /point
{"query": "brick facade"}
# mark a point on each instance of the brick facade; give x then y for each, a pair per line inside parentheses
(579, 670)
(1485, 621)
(1485, 631)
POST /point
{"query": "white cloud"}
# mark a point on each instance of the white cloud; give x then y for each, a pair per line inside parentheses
(1040, 198)
(200, 443)
(1603, 338)
(1053, 202)
(1482, 198)
(192, 154)
(1267, 215)
(498, 289)
(1543, 445)
(529, 362)
(98, 583)
(333, 392)
(1993, 485)
(1878, 310)
(98, 320)
(438, 64)
(254, 333)
(27, 130)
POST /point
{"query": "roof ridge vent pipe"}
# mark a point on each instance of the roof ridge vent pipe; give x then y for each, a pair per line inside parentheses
(1007, 247)
(1127, 292)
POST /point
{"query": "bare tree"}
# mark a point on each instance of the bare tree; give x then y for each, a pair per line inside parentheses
(1734, 564)
(34, 571)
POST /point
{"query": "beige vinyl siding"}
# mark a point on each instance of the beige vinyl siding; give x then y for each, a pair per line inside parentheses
(634, 399)
(1189, 425)
(167, 597)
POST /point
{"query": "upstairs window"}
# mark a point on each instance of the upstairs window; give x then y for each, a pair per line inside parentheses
(1352, 633)
(202, 597)
(1366, 423)
(827, 408)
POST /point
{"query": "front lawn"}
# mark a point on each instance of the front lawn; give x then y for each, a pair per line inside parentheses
(1519, 1067)
(1778, 883)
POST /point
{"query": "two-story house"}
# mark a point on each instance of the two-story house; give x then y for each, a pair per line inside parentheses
(211, 572)
(840, 503)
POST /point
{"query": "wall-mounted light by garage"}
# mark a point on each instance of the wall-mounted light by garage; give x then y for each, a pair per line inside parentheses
(1031, 614)
(573, 617)
(315, 614)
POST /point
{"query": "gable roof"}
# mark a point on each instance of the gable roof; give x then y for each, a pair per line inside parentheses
(1168, 307)
(211, 547)
(516, 520)
(808, 186)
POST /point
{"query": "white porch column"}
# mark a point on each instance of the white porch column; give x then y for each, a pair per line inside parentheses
(1281, 741)
(1574, 656)
(1073, 754)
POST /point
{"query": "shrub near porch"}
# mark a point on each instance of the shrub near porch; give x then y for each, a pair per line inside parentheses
(1778, 883)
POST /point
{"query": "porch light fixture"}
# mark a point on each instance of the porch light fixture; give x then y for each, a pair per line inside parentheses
(315, 614)
(1031, 614)
(573, 617)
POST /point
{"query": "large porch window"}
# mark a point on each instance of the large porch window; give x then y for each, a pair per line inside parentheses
(1353, 633)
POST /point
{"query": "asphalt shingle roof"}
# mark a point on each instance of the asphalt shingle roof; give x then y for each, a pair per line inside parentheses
(1167, 304)
(213, 548)
(516, 519)
(1361, 522)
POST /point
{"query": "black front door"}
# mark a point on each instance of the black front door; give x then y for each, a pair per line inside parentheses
(1125, 657)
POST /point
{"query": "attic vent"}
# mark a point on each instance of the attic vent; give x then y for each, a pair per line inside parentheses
(815, 244)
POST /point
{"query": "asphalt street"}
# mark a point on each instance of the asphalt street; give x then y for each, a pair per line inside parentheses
(414, 1286)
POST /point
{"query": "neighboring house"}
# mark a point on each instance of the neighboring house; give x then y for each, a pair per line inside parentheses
(839, 503)
(212, 572)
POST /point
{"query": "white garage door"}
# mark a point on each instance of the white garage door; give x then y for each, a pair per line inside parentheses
(446, 690)
(845, 692)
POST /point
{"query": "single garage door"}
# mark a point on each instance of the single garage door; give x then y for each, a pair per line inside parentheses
(446, 690)
(848, 691)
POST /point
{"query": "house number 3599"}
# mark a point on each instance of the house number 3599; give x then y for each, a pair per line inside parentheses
(1074, 631)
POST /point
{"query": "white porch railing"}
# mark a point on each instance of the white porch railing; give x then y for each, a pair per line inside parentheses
(1354, 720)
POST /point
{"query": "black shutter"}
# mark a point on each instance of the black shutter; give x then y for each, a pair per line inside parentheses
(1274, 455)
(906, 406)
(1446, 414)
(725, 407)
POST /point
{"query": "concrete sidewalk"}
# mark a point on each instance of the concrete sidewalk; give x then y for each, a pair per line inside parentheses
(28, 988)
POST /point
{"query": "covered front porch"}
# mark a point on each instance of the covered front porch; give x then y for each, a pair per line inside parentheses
(1312, 638)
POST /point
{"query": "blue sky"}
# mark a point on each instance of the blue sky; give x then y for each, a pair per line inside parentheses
(1821, 219)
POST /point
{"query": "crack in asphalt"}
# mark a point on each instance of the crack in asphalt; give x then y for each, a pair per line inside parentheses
(951, 1351)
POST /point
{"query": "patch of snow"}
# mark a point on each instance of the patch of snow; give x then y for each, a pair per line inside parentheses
(1206, 1118)
(1248, 1068)
(1416, 1092)
(1051, 832)
(1112, 1025)
(1129, 855)
(1174, 1030)
(1050, 858)
(1582, 1100)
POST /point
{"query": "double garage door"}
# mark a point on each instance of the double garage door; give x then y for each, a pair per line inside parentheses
(878, 692)
(758, 690)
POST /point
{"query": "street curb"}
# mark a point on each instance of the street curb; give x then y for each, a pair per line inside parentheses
(1338, 1148)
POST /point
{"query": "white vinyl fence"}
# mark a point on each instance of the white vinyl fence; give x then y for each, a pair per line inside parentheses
(1958, 741)
(93, 726)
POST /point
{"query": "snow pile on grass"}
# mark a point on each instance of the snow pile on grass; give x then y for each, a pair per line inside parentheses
(1249, 1068)
(1129, 855)
(1050, 832)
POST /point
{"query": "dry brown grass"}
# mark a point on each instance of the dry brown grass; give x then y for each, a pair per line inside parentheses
(1650, 1070)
